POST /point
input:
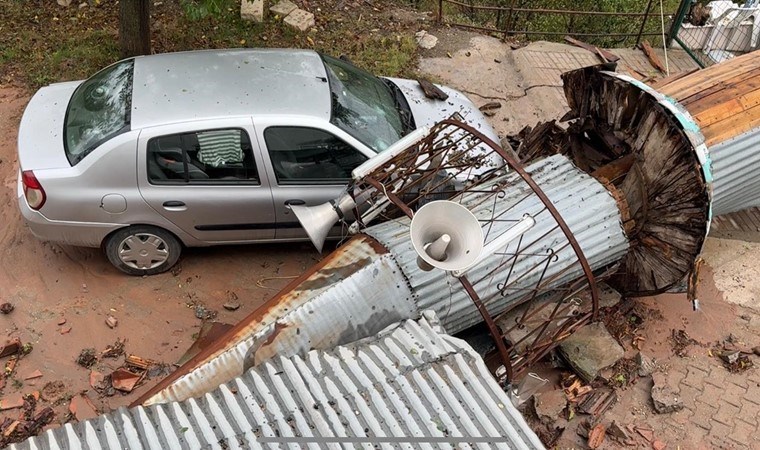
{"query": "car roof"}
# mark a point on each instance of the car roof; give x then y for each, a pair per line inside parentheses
(185, 86)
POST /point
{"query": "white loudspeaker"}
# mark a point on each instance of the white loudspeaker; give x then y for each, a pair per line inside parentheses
(445, 235)
(318, 220)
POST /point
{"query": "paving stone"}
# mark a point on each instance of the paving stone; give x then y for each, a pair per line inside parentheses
(752, 394)
(742, 433)
(750, 412)
(695, 377)
(703, 416)
(665, 399)
(726, 414)
(283, 8)
(733, 394)
(710, 394)
(549, 405)
(718, 436)
(300, 20)
(689, 395)
(254, 10)
(590, 350)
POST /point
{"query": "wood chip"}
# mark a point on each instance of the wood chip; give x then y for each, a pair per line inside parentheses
(11, 428)
(137, 362)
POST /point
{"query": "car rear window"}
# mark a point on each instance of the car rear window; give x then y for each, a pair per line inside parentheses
(98, 110)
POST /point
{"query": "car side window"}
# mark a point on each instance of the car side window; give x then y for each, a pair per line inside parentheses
(310, 156)
(202, 157)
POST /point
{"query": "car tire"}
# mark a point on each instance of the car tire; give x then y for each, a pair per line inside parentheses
(142, 250)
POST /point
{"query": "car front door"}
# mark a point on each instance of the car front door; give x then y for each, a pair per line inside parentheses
(208, 179)
(308, 165)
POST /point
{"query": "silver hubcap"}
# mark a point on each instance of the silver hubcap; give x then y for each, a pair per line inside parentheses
(143, 251)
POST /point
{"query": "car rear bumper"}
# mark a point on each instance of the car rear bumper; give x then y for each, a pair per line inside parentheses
(82, 234)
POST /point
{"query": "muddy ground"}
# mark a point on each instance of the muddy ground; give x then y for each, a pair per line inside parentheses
(49, 283)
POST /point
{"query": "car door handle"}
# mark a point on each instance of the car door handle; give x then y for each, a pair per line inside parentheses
(174, 204)
(294, 201)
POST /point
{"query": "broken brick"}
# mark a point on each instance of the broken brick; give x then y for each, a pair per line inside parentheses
(96, 378)
(11, 401)
(10, 348)
(66, 330)
(111, 322)
(62, 322)
(124, 380)
(33, 375)
(82, 407)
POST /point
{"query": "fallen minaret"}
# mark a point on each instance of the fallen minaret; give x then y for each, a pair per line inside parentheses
(623, 194)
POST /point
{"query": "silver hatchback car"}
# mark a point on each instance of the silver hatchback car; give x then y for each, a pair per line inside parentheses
(203, 148)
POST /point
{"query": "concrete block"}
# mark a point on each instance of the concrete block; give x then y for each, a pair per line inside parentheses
(664, 398)
(283, 8)
(300, 20)
(590, 350)
(254, 10)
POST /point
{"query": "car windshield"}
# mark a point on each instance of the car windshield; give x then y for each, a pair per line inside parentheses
(363, 106)
(98, 110)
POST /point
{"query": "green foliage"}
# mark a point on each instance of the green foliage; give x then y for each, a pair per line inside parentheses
(200, 9)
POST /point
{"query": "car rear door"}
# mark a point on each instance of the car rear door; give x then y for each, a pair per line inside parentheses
(208, 179)
(309, 163)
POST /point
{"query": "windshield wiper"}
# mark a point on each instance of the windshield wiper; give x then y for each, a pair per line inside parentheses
(402, 106)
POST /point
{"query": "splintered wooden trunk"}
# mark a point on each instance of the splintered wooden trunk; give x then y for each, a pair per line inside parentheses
(646, 152)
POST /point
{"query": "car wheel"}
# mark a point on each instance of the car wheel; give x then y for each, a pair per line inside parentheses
(142, 250)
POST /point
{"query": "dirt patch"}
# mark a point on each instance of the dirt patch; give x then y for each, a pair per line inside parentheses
(63, 295)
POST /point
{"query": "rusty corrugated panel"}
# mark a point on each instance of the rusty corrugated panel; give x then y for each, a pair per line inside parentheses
(351, 294)
(409, 386)
(588, 208)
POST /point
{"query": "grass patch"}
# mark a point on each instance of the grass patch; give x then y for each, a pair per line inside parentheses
(42, 42)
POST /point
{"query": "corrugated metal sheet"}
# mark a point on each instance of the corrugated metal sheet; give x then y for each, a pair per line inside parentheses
(736, 163)
(334, 306)
(585, 204)
(357, 293)
(408, 387)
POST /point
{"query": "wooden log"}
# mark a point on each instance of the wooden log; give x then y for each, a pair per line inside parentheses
(604, 55)
(654, 60)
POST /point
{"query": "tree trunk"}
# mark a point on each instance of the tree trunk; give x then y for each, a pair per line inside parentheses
(134, 27)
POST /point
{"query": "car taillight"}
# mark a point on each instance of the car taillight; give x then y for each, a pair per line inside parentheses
(35, 195)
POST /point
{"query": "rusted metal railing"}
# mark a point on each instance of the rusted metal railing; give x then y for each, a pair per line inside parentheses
(511, 20)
